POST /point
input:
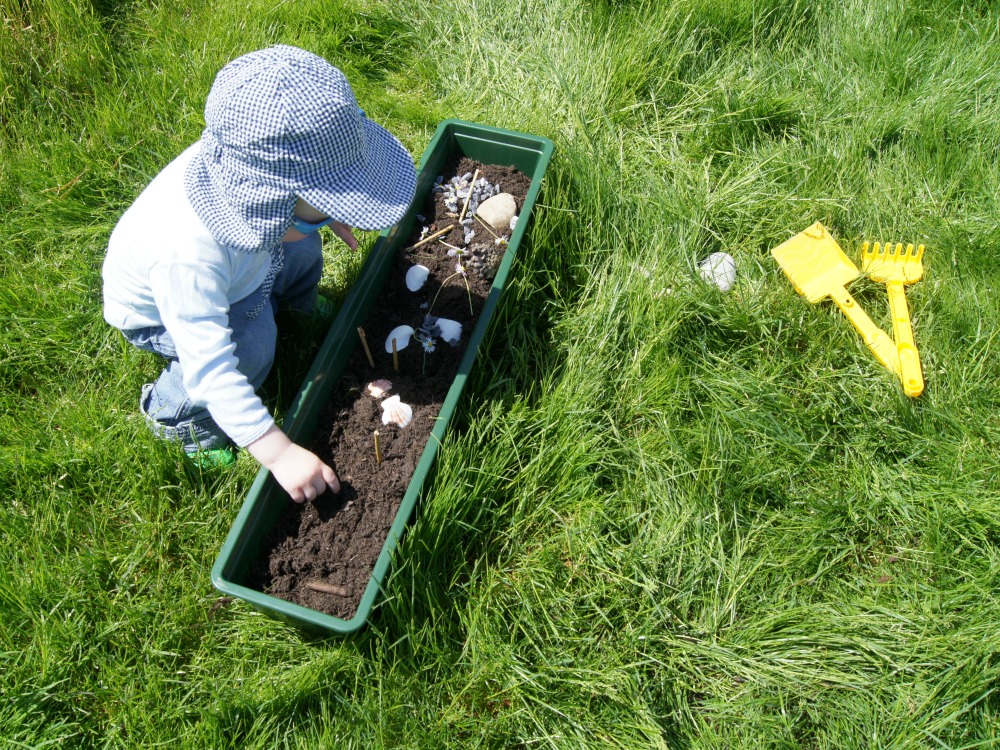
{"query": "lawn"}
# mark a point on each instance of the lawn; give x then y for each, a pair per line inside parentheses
(666, 516)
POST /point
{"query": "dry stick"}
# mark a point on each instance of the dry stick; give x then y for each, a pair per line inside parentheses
(378, 450)
(469, 196)
(395, 356)
(326, 588)
(486, 224)
(434, 236)
(364, 343)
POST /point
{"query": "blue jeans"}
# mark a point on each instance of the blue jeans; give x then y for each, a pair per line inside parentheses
(168, 408)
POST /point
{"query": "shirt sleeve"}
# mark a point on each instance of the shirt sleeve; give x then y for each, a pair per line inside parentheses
(193, 304)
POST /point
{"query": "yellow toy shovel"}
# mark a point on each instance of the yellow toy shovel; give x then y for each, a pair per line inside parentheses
(817, 267)
(895, 267)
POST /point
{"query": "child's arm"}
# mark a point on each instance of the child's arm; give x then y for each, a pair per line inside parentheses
(302, 474)
(191, 298)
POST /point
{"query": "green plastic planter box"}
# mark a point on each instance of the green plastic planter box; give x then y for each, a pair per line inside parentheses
(266, 500)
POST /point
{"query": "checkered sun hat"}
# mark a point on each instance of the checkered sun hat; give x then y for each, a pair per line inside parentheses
(281, 124)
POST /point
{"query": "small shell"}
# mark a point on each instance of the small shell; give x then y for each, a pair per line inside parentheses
(451, 330)
(378, 388)
(396, 412)
(416, 277)
(402, 335)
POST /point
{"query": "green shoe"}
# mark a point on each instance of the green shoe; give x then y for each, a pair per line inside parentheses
(213, 458)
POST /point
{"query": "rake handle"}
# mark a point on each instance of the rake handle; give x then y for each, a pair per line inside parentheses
(909, 359)
(877, 340)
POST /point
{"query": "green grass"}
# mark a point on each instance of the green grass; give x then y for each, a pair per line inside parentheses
(665, 516)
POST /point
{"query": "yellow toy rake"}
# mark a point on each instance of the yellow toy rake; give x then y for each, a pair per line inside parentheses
(895, 267)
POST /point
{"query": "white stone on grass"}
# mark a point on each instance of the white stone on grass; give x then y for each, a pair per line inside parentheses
(719, 269)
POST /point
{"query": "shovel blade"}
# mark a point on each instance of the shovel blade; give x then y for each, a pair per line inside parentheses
(814, 263)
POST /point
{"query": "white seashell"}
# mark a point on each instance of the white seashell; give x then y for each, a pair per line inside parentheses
(396, 412)
(720, 269)
(402, 335)
(451, 330)
(378, 388)
(416, 277)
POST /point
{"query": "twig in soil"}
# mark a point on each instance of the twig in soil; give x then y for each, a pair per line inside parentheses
(395, 356)
(487, 225)
(378, 450)
(364, 343)
(472, 185)
(434, 236)
(326, 588)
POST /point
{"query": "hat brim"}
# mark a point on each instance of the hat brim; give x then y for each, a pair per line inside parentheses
(248, 225)
(372, 194)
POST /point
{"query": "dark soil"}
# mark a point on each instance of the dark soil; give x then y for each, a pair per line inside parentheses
(333, 543)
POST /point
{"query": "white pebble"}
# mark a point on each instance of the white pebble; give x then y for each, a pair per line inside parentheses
(719, 269)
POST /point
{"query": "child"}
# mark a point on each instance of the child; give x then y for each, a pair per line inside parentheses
(226, 234)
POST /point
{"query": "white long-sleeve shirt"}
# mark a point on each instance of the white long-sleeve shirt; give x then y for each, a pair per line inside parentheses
(163, 267)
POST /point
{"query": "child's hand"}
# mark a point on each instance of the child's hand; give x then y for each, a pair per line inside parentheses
(345, 233)
(301, 473)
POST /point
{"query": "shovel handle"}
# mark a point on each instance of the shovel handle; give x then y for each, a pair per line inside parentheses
(909, 359)
(878, 341)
